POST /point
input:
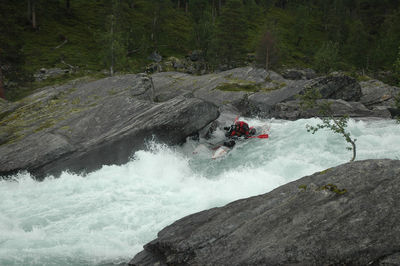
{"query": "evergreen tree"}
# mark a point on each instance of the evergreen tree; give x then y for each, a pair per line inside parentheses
(115, 49)
(138, 22)
(203, 33)
(230, 33)
(12, 59)
(357, 46)
(255, 23)
(388, 38)
(326, 58)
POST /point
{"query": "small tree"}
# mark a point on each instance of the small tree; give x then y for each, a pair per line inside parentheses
(311, 99)
(326, 57)
(32, 13)
(114, 49)
(266, 51)
(397, 74)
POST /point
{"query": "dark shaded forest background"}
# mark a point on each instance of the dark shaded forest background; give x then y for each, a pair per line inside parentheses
(357, 36)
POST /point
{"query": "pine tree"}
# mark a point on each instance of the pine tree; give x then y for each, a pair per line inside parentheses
(387, 40)
(203, 24)
(115, 50)
(326, 58)
(231, 33)
(357, 46)
(12, 59)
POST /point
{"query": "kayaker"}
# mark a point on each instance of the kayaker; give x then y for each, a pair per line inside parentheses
(239, 129)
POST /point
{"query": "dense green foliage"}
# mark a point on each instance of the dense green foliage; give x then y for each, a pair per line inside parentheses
(119, 35)
(397, 68)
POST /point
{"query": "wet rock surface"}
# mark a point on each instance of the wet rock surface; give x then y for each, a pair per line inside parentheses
(256, 92)
(346, 215)
(82, 126)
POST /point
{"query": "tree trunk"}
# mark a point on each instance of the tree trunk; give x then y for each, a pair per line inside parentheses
(179, 4)
(354, 150)
(112, 47)
(67, 4)
(2, 93)
(154, 31)
(33, 15)
(29, 11)
(187, 6)
(267, 59)
(213, 11)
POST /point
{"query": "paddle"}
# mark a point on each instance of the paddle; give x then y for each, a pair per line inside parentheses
(263, 136)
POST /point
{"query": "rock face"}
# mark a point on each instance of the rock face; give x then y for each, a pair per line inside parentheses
(208, 87)
(44, 73)
(85, 125)
(377, 94)
(337, 87)
(331, 87)
(299, 74)
(256, 92)
(291, 110)
(347, 215)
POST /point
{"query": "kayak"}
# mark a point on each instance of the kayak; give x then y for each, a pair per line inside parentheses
(220, 152)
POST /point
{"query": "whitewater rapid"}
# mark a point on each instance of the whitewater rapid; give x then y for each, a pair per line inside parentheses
(108, 215)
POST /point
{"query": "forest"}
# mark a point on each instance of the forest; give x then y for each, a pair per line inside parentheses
(361, 37)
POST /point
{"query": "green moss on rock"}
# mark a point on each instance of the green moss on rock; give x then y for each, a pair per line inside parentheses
(333, 188)
(238, 87)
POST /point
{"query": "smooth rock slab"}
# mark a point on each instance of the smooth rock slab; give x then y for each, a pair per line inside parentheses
(377, 93)
(82, 126)
(346, 215)
(293, 110)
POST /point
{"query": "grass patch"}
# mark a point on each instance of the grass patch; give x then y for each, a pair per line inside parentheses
(238, 87)
(44, 125)
(334, 188)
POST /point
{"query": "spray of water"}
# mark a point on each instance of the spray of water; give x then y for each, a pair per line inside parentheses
(107, 216)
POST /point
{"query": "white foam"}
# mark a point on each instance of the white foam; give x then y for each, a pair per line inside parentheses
(108, 215)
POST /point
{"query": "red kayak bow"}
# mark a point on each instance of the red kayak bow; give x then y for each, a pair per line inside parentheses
(263, 136)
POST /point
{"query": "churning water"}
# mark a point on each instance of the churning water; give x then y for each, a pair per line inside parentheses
(107, 216)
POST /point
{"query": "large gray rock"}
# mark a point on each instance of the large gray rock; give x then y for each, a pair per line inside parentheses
(293, 110)
(264, 103)
(208, 87)
(6, 107)
(257, 92)
(376, 93)
(331, 87)
(299, 74)
(346, 215)
(44, 73)
(337, 86)
(82, 126)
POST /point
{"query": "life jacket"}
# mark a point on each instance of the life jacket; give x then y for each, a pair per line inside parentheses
(241, 128)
